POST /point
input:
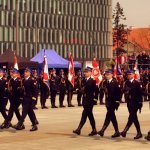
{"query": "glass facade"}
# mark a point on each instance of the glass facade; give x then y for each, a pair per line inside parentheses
(83, 27)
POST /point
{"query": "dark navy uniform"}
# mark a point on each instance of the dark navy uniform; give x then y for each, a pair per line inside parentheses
(89, 98)
(44, 92)
(101, 91)
(14, 89)
(36, 78)
(70, 90)
(113, 97)
(29, 95)
(134, 99)
(62, 89)
(79, 86)
(3, 95)
(54, 87)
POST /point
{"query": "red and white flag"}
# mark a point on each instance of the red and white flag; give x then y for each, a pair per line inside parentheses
(115, 68)
(71, 71)
(96, 74)
(15, 62)
(122, 59)
(45, 71)
(137, 74)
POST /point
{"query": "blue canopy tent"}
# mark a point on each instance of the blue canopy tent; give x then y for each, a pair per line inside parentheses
(53, 59)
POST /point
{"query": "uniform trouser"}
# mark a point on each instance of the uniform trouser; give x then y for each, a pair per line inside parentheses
(87, 113)
(101, 96)
(35, 102)
(27, 110)
(79, 97)
(133, 119)
(43, 99)
(69, 97)
(62, 93)
(14, 107)
(5, 102)
(111, 117)
(2, 108)
(53, 97)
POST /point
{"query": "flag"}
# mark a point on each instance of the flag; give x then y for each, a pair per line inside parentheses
(71, 71)
(96, 74)
(15, 62)
(115, 68)
(122, 59)
(137, 74)
(119, 71)
(45, 70)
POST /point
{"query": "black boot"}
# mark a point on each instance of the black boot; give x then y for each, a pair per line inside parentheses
(19, 126)
(94, 132)
(34, 128)
(124, 132)
(116, 134)
(138, 136)
(101, 132)
(148, 136)
(77, 131)
(6, 125)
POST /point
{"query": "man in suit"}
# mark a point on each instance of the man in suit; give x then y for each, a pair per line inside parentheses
(29, 95)
(112, 102)
(89, 96)
(3, 89)
(14, 91)
(134, 93)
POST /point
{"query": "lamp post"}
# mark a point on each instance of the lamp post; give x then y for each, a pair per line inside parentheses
(17, 26)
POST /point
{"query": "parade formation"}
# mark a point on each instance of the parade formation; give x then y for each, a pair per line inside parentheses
(24, 90)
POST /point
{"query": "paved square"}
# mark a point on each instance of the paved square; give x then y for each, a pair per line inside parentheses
(55, 131)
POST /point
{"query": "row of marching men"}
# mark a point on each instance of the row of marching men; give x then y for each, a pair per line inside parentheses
(113, 94)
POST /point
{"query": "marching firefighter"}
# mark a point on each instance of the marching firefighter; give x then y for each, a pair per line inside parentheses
(89, 98)
(112, 102)
(134, 94)
(29, 95)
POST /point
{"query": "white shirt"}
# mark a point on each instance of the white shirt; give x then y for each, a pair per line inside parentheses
(131, 80)
(87, 79)
(15, 78)
(27, 78)
(110, 80)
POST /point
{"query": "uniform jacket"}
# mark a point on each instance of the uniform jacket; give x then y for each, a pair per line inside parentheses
(89, 92)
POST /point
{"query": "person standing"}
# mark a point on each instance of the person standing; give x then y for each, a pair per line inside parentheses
(36, 78)
(44, 92)
(29, 95)
(79, 85)
(134, 93)
(89, 96)
(62, 87)
(112, 102)
(54, 86)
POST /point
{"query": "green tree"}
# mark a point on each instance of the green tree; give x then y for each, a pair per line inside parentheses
(119, 32)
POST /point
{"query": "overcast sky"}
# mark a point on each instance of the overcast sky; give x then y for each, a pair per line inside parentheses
(137, 12)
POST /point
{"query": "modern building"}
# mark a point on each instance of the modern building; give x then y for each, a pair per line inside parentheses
(83, 27)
